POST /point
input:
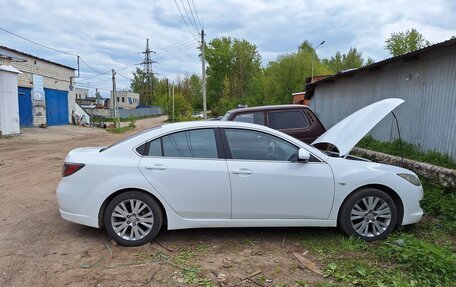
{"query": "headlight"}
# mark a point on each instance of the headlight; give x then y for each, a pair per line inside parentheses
(410, 178)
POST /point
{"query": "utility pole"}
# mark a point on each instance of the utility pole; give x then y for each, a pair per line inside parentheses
(172, 88)
(313, 56)
(114, 99)
(203, 80)
(148, 74)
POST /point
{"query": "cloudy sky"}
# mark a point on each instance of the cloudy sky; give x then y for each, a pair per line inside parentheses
(111, 34)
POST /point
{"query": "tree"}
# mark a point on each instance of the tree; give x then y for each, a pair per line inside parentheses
(144, 87)
(288, 73)
(352, 60)
(405, 42)
(235, 66)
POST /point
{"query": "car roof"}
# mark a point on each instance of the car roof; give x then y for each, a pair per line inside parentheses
(268, 108)
(162, 130)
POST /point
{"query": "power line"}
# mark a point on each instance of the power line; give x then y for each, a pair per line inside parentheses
(182, 16)
(50, 48)
(193, 16)
(36, 43)
(176, 45)
(97, 75)
(165, 55)
(124, 76)
(176, 49)
(188, 17)
(88, 65)
(196, 12)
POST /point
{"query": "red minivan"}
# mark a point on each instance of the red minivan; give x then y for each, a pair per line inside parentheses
(298, 121)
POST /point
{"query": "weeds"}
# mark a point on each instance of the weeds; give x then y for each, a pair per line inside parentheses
(409, 150)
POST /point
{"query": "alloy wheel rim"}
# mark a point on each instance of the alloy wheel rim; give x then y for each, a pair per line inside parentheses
(132, 219)
(370, 216)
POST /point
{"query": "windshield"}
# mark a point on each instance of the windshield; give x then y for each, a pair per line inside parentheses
(130, 137)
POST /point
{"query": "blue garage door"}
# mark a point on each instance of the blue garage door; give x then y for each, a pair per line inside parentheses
(56, 107)
(25, 107)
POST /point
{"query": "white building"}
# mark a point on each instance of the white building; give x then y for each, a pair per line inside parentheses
(44, 96)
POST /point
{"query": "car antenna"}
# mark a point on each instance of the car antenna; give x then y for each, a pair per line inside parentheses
(400, 139)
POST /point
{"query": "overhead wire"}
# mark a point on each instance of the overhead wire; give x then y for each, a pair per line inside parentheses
(36, 43)
(185, 22)
(188, 17)
(196, 12)
(193, 16)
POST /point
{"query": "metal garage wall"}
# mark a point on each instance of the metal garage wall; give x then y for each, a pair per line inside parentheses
(9, 109)
(56, 107)
(428, 86)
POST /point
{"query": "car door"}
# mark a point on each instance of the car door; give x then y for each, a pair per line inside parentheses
(185, 168)
(295, 123)
(268, 183)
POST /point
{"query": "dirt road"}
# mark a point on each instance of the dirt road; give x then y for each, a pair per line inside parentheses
(38, 248)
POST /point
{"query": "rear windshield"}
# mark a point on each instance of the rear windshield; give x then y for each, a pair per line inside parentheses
(130, 137)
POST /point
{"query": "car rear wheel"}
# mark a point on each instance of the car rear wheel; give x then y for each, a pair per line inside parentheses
(369, 213)
(133, 218)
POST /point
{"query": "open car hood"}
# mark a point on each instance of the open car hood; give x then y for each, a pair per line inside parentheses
(349, 131)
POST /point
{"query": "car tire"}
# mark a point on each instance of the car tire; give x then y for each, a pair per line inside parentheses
(133, 218)
(369, 214)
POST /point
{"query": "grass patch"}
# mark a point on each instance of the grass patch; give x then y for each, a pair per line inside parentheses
(440, 203)
(120, 130)
(410, 151)
(423, 254)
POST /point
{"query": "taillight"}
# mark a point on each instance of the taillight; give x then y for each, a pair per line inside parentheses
(70, 168)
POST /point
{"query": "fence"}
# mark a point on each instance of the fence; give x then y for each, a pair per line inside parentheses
(126, 113)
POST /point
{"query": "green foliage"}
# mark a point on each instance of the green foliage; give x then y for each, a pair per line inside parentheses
(353, 59)
(288, 74)
(193, 276)
(120, 130)
(233, 75)
(182, 108)
(440, 203)
(410, 151)
(431, 264)
(132, 121)
(405, 42)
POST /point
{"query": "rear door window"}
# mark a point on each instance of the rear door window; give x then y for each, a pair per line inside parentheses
(194, 143)
(253, 118)
(287, 120)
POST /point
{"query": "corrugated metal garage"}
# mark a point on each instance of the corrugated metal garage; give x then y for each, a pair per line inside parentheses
(425, 79)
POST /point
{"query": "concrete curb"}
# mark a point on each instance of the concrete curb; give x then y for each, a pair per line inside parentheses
(444, 176)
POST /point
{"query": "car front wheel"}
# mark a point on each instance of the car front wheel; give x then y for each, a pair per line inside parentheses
(133, 218)
(369, 213)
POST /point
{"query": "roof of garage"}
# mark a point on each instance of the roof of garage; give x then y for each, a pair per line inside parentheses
(12, 53)
(310, 87)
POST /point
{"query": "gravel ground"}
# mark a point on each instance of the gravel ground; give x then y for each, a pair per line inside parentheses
(38, 248)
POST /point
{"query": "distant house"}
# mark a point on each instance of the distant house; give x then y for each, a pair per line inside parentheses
(425, 79)
(44, 96)
(126, 100)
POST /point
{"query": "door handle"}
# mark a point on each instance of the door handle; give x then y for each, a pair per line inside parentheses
(242, 171)
(156, 167)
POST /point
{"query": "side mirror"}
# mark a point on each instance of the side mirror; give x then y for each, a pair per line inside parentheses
(303, 155)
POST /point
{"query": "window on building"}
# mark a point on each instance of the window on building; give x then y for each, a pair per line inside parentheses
(118, 99)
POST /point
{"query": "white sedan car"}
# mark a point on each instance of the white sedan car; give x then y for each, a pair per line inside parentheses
(230, 174)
